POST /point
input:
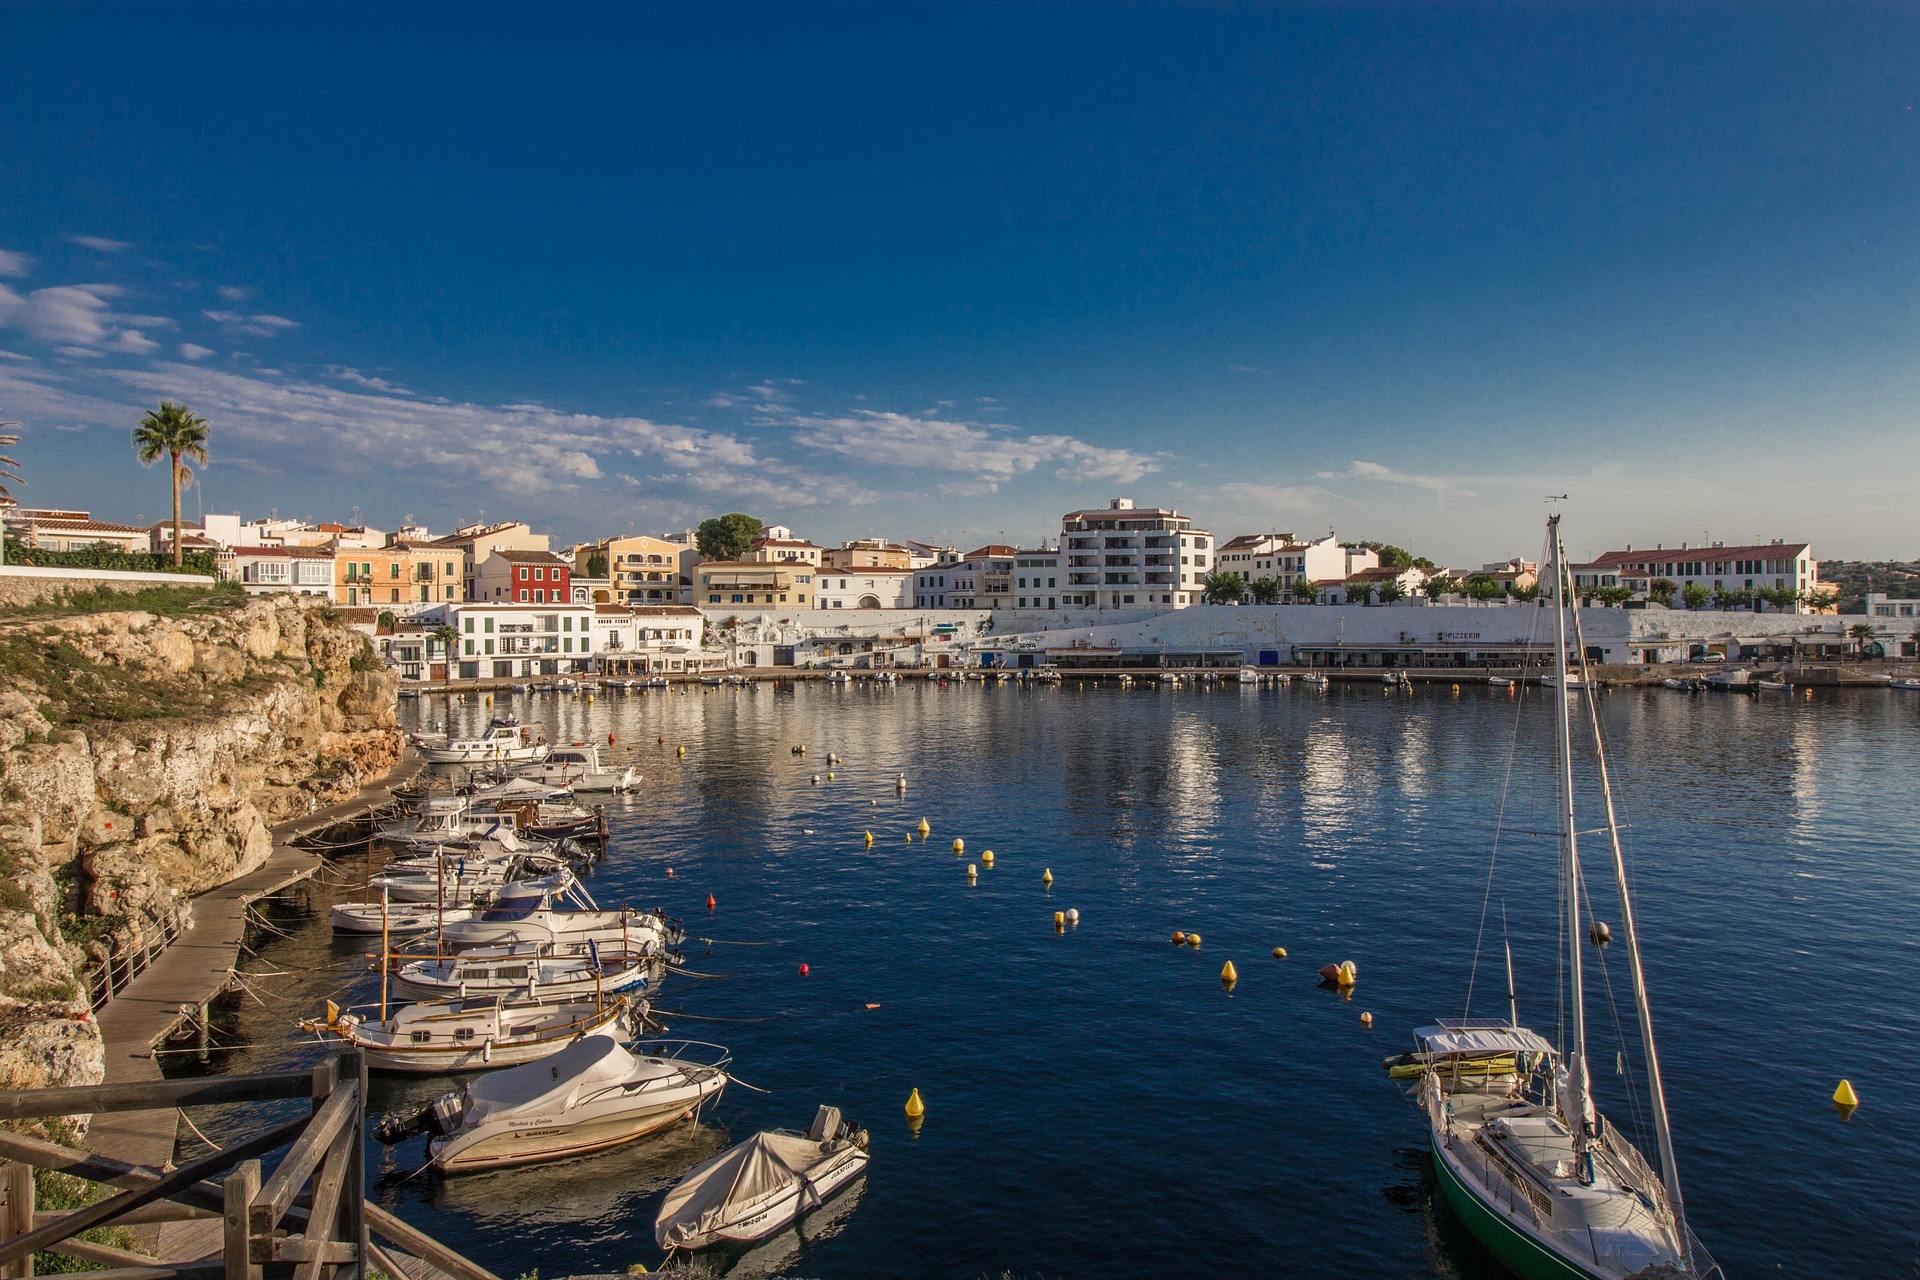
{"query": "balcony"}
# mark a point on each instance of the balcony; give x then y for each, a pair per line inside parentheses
(1126, 544)
(1159, 579)
(1084, 562)
(1120, 579)
(1154, 560)
(1119, 561)
(1162, 542)
(1083, 544)
(1084, 579)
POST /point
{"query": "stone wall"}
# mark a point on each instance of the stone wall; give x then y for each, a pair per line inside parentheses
(237, 717)
(29, 584)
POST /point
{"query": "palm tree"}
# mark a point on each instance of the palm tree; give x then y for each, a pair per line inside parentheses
(174, 432)
(8, 478)
(1861, 633)
(449, 638)
(1223, 588)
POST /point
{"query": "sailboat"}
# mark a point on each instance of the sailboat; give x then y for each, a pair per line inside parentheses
(1519, 1150)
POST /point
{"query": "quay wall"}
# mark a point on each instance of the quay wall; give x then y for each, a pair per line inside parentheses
(142, 760)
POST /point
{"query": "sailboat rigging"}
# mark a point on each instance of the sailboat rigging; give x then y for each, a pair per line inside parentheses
(1520, 1150)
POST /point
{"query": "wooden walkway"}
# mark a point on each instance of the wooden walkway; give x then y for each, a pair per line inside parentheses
(194, 970)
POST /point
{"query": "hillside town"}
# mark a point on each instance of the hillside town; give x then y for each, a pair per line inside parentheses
(1120, 579)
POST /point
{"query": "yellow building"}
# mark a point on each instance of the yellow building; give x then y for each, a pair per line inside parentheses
(640, 569)
(768, 583)
(868, 553)
(403, 574)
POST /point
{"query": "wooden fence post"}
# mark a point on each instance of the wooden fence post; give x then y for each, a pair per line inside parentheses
(17, 1179)
(236, 1249)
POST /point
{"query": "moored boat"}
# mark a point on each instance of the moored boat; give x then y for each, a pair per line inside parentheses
(505, 739)
(578, 766)
(524, 970)
(475, 1033)
(589, 1096)
(750, 1191)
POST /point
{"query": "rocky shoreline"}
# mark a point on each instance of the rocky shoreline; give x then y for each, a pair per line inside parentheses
(143, 759)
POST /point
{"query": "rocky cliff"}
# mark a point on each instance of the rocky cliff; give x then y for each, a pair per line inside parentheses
(142, 759)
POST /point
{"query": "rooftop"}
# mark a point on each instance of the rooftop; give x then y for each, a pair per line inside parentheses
(1713, 551)
(513, 556)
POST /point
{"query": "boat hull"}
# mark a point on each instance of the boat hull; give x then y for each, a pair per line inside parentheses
(781, 1211)
(508, 1146)
(1492, 1227)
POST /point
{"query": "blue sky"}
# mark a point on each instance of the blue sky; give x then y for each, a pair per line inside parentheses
(951, 270)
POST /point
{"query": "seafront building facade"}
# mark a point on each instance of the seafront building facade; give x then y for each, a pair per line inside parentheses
(1125, 557)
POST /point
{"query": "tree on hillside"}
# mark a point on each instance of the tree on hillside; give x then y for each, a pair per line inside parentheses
(1527, 594)
(1820, 601)
(1223, 588)
(1438, 585)
(1391, 591)
(727, 537)
(1391, 557)
(449, 639)
(1695, 596)
(596, 564)
(1481, 586)
(1613, 597)
(1267, 590)
(1304, 592)
(1662, 589)
(1360, 592)
(174, 433)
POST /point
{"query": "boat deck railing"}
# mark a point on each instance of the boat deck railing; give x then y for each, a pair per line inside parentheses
(703, 1053)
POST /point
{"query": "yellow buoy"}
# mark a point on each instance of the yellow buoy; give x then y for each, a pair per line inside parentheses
(869, 839)
(1193, 939)
(829, 775)
(1348, 973)
(589, 697)
(1060, 918)
(909, 837)
(915, 1107)
(489, 699)
(986, 856)
(1279, 953)
(1845, 1096)
(1046, 877)
(1229, 974)
(959, 845)
(924, 827)
(973, 872)
(680, 751)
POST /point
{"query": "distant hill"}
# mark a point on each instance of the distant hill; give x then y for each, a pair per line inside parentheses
(1854, 578)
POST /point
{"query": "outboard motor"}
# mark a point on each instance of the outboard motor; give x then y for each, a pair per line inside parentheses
(438, 1119)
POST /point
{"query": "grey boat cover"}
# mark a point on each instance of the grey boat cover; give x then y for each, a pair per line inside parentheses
(706, 1199)
(552, 1084)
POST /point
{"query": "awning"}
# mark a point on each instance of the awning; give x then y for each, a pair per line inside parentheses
(1479, 1041)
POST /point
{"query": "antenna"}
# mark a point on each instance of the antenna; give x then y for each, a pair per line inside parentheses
(1556, 497)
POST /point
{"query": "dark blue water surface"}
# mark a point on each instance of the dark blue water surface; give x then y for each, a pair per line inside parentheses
(1097, 1103)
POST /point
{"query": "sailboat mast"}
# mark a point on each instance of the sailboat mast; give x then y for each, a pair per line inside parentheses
(1630, 934)
(1513, 1000)
(1577, 1102)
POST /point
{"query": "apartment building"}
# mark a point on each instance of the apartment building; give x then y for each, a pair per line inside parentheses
(1036, 578)
(1288, 560)
(501, 639)
(523, 577)
(1126, 557)
(400, 577)
(1776, 565)
(871, 587)
(640, 569)
(52, 529)
(767, 550)
(476, 542)
(306, 571)
(768, 583)
(867, 553)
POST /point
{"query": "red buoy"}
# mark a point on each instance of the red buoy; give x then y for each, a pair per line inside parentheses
(803, 971)
(663, 739)
(609, 739)
(710, 903)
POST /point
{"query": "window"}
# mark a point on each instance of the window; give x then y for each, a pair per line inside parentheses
(393, 595)
(523, 595)
(469, 648)
(489, 646)
(539, 575)
(393, 569)
(713, 599)
(566, 623)
(489, 626)
(566, 644)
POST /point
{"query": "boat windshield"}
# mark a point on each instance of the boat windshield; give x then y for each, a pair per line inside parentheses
(514, 907)
(573, 900)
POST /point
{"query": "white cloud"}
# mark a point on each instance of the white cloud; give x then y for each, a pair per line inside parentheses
(234, 293)
(15, 264)
(100, 244)
(1441, 486)
(133, 342)
(359, 379)
(989, 452)
(194, 351)
(79, 319)
(261, 326)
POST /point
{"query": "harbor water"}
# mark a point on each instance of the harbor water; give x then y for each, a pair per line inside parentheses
(1098, 1102)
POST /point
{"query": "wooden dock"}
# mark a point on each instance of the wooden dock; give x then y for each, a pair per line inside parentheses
(181, 980)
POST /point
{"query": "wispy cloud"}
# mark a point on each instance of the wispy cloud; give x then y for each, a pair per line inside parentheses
(15, 264)
(343, 374)
(78, 319)
(234, 293)
(260, 326)
(990, 453)
(100, 244)
(1441, 486)
(194, 351)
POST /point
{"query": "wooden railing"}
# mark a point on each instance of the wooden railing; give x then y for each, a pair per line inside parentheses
(113, 975)
(307, 1219)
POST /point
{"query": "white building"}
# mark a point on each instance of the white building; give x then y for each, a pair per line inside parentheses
(935, 586)
(651, 639)
(1776, 566)
(1280, 556)
(872, 587)
(1036, 579)
(767, 550)
(499, 640)
(306, 571)
(1124, 557)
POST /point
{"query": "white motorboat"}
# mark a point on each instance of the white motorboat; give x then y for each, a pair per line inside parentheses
(1500, 682)
(1904, 683)
(563, 917)
(1314, 677)
(750, 1191)
(408, 918)
(1520, 1150)
(589, 1096)
(1566, 682)
(505, 739)
(1680, 684)
(577, 765)
(658, 682)
(519, 790)
(1248, 675)
(525, 970)
(475, 1033)
(451, 880)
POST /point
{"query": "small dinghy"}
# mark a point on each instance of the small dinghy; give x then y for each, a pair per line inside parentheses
(1500, 682)
(522, 970)
(750, 1191)
(364, 917)
(589, 1096)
